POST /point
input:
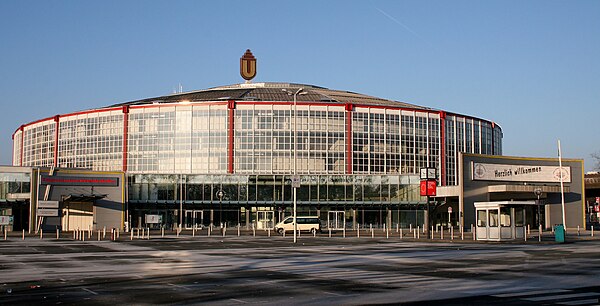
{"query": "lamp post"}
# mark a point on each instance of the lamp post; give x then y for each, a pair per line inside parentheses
(538, 192)
(295, 179)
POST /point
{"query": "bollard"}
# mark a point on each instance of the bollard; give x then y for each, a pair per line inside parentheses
(57, 234)
(578, 230)
(253, 231)
(442, 233)
(194, 231)
(284, 233)
(540, 233)
(528, 229)
(397, 227)
(423, 228)
(131, 232)
(371, 227)
(432, 232)
(330, 232)
(298, 233)
(177, 232)
(83, 236)
(410, 228)
(208, 231)
(99, 235)
(414, 234)
(418, 233)
(452, 233)
(525, 234)
(343, 232)
(23, 234)
(225, 231)
(387, 234)
(162, 231)
(592, 231)
(238, 229)
(384, 227)
(400, 233)
(4, 233)
(41, 233)
(104, 233)
(358, 231)
(269, 232)
(462, 233)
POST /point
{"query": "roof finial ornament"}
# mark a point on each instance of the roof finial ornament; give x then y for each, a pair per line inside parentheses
(248, 66)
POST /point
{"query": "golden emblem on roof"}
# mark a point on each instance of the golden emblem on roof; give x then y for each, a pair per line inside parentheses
(248, 66)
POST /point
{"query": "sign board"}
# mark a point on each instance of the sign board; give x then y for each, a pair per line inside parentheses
(47, 212)
(153, 219)
(295, 181)
(449, 209)
(79, 181)
(428, 174)
(520, 173)
(47, 204)
(6, 220)
(428, 188)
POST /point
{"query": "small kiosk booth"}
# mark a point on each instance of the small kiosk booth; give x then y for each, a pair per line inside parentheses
(501, 221)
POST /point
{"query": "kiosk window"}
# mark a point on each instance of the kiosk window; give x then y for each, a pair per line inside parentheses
(493, 218)
(519, 216)
(481, 218)
(505, 216)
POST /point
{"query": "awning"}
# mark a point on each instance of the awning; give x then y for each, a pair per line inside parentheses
(83, 197)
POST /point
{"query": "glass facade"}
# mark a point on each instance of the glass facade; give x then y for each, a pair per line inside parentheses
(92, 140)
(38, 144)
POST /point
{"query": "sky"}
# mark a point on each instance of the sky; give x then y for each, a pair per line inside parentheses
(533, 67)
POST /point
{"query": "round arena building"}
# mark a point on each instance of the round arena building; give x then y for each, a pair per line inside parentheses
(231, 155)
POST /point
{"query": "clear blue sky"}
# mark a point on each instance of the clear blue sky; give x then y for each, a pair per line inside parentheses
(533, 67)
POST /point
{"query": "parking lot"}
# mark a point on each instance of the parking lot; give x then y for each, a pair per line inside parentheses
(247, 269)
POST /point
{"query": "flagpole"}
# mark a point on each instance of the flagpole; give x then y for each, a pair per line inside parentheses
(562, 187)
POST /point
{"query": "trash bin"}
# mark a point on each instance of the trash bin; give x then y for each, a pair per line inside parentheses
(559, 233)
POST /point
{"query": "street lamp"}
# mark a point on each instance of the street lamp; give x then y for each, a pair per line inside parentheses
(295, 179)
(538, 193)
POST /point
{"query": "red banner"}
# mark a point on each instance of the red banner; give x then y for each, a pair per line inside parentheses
(428, 188)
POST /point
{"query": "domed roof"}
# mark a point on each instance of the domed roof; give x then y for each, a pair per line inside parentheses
(275, 92)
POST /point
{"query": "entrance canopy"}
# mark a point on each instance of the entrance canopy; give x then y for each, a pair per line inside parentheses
(84, 197)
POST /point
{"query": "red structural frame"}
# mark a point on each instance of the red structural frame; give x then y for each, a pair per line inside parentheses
(125, 135)
(230, 134)
(231, 105)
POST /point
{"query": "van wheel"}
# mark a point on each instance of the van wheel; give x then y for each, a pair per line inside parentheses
(280, 231)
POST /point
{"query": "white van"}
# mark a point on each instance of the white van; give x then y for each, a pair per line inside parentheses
(305, 223)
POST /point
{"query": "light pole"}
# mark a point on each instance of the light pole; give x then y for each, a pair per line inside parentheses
(295, 179)
(538, 192)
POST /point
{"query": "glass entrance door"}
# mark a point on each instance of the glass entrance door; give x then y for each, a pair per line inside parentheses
(336, 219)
(193, 219)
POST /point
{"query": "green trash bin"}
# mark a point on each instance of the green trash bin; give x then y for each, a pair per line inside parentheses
(559, 233)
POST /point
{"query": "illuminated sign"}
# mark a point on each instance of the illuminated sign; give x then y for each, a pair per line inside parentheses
(520, 173)
(79, 181)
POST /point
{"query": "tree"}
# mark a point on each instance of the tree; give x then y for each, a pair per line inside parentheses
(596, 156)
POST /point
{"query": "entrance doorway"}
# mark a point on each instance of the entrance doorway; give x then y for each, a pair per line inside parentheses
(336, 220)
(193, 219)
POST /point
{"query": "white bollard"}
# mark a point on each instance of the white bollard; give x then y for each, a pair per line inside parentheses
(130, 232)
(401, 234)
(314, 233)
(99, 235)
(540, 233)
(330, 232)
(397, 227)
(225, 231)
(253, 231)
(89, 231)
(104, 233)
(432, 233)
(442, 233)
(41, 233)
(592, 231)
(414, 234)
(358, 231)
(57, 234)
(578, 230)
(418, 233)
(525, 234)
(269, 232)
(23, 234)
(148, 236)
(423, 228)
(452, 233)
(387, 234)
(238, 229)
(343, 232)
(5, 233)
(528, 229)
(410, 228)
(162, 231)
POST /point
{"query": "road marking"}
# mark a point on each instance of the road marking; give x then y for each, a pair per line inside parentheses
(526, 293)
(561, 297)
(580, 302)
(178, 286)
(239, 301)
(90, 291)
